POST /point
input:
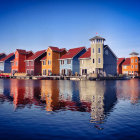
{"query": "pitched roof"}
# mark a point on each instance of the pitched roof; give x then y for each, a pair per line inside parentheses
(87, 54)
(120, 60)
(56, 49)
(7, 57)
(96, 37)
(23, 51)
(36, 55)
(134, 53)
(44, 58)
(106, 46)
(126, 62)
(72, 52)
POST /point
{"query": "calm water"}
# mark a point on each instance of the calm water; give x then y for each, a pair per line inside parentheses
(33, 109)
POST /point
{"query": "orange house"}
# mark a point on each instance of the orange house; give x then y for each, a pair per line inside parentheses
(50, 64)
(131, 66)
(18, 64)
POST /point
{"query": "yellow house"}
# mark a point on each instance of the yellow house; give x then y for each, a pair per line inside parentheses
(50, 64)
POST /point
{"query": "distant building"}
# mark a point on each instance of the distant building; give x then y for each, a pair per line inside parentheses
(33, 63)
(5, 63)
(50, 63)
(69, 63)
(18, 64)
(98, 59)
(131, 66)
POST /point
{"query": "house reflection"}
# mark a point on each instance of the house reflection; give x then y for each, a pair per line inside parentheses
(22, 92)
(129, 90)
(102, 97)
(50, 94)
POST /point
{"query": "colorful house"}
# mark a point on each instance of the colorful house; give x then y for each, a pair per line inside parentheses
(5, 63)
(131, 66)
(69, 63)
(119, 65)
(50, 65)
(18, 64)
(33, 63)
(98, 59)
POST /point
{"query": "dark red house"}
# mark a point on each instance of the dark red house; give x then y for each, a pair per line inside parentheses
(119, 65)
(33, 63)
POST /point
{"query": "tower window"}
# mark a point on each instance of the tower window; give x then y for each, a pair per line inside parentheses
(131, 60)
(99, 50)
(93, 60)
(93, 50)
(132, 66)
(136, 60)
(99, 60)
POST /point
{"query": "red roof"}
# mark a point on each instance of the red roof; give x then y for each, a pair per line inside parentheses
(56, 49)
(7, 57)
(126, 62)
(44, 58)
(36, 55)
(72, 52)
(120, 60)
(23, 51)
(87, 54)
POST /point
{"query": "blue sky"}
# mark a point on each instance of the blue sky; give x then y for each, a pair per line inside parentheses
(37, 24)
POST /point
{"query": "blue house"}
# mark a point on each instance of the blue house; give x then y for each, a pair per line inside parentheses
(69, 63)
(5, 63)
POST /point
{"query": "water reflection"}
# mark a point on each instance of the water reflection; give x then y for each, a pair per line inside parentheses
(96, 97)
(129, 90)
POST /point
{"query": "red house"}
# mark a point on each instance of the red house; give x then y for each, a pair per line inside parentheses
(33, 63)
(119, 65)
(18, 64)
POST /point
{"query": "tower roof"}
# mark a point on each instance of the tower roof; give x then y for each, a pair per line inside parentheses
(134, 53)
(96, 37)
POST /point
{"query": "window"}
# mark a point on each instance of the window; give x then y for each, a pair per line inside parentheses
(44, 71)
(125, 67)
(49, 54)
(32, 63)
(136, 60)
(132, 66)
(99, 50)
(93, 50)
(16, 63)
(49, 72)
(136, 66)
(69, 61)
(62, 62)
(82, 61)
(99, 60)
(49, 62)
(27, 63)
(44, 62)
(131, 60)
(93, 60)
(16, 55)
(84, 71)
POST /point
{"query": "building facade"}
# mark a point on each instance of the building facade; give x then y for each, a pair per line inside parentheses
(33, 63)
(5, 63)
(98, 59)
(69, 63)
(119, 65)
(50, 65)
(18, 64)
(131, 66)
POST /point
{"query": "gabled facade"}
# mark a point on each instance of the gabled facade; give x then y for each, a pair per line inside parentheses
(33, 63)
(131, 66)
(51, 66)
(98, 59)
(18, 64)
(69, 63)
(119, 65)
(5, 63)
